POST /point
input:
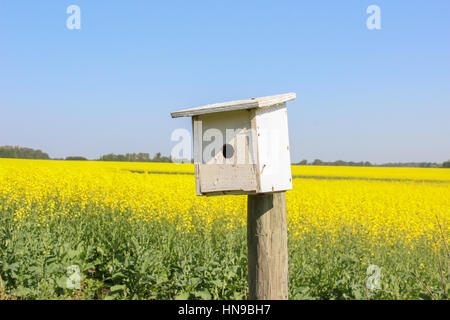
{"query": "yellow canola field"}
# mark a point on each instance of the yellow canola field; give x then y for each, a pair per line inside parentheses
(377, 173)
(378, 211)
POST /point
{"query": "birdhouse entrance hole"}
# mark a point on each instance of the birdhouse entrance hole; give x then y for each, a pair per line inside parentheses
(227, 151)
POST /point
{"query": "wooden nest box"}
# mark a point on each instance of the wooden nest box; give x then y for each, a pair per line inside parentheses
(241, 147)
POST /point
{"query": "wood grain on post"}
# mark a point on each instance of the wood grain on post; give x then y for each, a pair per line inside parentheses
(267, 247)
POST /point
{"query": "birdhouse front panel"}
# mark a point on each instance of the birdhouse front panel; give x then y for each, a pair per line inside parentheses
(224, 153)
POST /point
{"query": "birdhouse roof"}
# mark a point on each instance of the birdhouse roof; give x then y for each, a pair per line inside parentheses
(252, 103)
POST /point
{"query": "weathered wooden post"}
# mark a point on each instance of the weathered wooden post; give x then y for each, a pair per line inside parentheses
(267, 247)
(242, 147)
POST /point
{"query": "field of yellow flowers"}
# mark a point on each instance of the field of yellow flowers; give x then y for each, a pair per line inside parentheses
(137, 231)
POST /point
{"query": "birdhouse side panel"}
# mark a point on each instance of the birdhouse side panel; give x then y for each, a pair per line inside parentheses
(274, 160)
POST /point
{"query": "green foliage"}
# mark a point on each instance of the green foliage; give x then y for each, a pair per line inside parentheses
(22, 153)
(123, 259)
(446, 164)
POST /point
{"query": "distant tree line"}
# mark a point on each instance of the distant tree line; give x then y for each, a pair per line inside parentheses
(76, 158)
(135, 157)
(17, 152)
(318, 162)
(413, 165)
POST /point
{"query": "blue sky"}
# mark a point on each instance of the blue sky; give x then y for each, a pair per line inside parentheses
(376, 95)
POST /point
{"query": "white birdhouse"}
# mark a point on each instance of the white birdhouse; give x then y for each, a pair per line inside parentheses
(241, 147)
